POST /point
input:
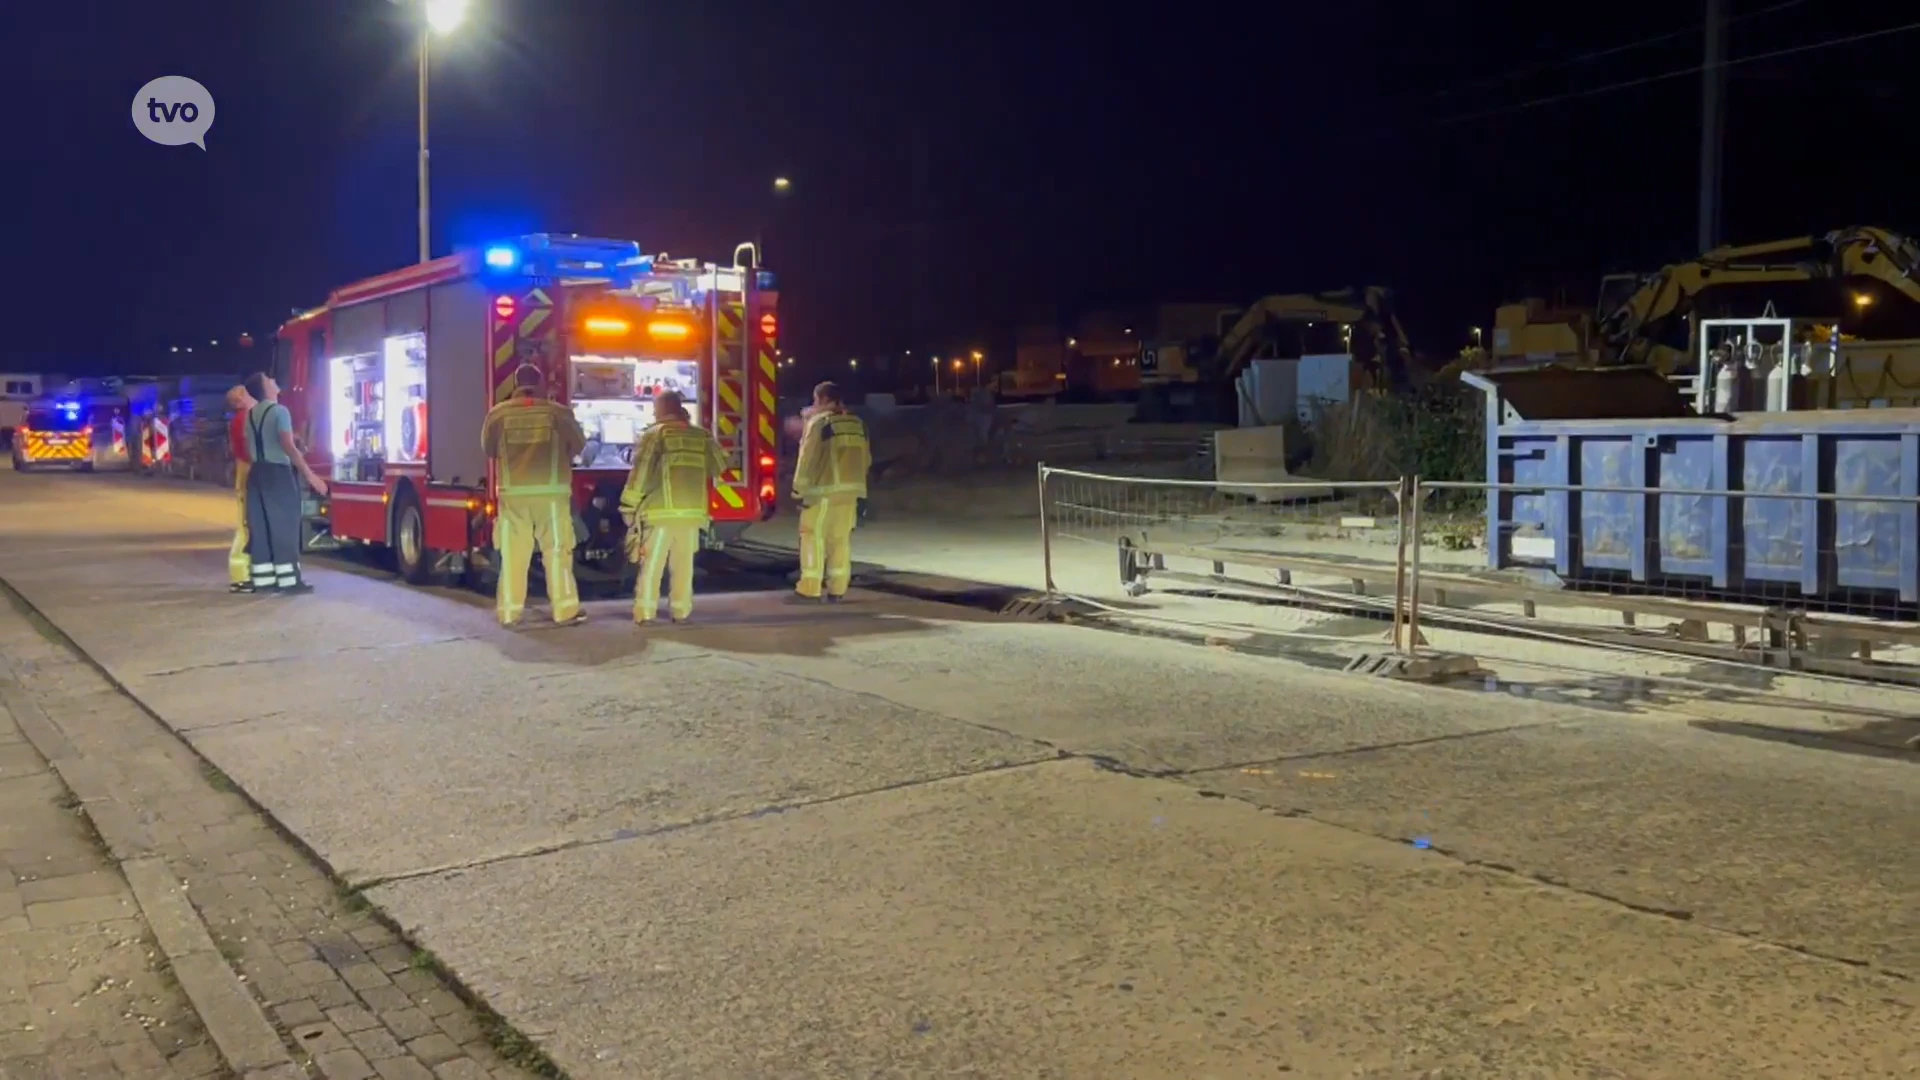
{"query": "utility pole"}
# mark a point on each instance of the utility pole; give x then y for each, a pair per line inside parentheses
(1713, 123)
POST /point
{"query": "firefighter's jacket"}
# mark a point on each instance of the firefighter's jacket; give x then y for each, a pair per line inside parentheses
(834, 458)
(533, 442)
(674, 466)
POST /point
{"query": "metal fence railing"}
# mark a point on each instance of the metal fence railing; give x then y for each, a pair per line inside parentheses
(1822, 583)
(1184, 534)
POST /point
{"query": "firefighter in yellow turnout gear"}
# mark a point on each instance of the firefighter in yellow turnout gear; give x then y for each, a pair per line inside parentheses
(239, 553)
(532, 442)
(829, 481)
(665, 506)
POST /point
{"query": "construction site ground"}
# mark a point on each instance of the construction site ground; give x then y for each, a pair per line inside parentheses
(909, 838)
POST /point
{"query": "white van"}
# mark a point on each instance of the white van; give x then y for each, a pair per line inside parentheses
(16, 392)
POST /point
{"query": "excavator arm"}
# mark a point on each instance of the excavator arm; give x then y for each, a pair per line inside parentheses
(1369, 314)
(1631, 329)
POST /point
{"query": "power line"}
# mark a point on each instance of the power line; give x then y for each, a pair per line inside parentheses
(1601, 54)
(1609, 88)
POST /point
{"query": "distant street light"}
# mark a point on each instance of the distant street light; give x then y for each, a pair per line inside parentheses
(782, 185)
(437, 17)
(1862, 300)
(854, 364)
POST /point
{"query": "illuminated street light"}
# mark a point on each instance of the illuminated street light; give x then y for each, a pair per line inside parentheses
(854, 364)
(215, 342)
(445, 16)
(1862, 300)
(1071, 343)
(782, 185)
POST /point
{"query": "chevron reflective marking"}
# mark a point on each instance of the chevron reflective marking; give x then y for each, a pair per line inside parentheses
(767, 366)
(41, 450)
(727, 427)
(766, 430)
(767, 400)
(729, 395)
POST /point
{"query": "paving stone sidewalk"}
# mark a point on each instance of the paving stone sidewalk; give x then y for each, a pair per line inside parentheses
(84, 989)
(350, 998)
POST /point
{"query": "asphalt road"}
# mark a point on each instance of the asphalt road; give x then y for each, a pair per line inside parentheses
(905, 839)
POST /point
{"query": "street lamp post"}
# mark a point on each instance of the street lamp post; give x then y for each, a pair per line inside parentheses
(438, 16)
(426, 233)
(782, 187)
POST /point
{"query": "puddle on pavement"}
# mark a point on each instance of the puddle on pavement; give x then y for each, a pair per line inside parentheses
(1877, 734)
(1611, 693)
(1897, 738)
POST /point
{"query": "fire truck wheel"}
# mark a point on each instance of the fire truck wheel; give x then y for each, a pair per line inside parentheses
(411, 556)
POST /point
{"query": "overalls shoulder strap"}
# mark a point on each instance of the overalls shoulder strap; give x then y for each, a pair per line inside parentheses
(258, 422)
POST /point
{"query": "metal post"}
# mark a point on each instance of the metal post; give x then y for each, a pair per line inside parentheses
(1400, 565)
(1713, 120)
(1046, 538)
(426, 36)
(1413, 571)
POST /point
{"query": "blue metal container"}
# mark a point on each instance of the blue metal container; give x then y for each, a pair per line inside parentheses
(1770, 537)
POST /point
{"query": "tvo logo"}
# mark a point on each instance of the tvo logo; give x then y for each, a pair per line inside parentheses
(174, 110)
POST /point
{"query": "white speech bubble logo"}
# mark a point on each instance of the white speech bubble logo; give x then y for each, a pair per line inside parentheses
(174, 110)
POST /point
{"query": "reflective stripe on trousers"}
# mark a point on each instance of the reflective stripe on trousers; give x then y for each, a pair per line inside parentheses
(527, 523)
(667, 550)
(826, 545)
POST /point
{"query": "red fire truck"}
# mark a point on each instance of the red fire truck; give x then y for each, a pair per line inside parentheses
(389, 381)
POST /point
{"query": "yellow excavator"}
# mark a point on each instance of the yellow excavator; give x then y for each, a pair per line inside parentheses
(1642, 319)
(1647, 326)
(1358, 322)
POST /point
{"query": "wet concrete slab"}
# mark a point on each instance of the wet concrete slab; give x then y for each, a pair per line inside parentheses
(1749, 836)
(1151, 704)
(1061, 921)
(483, 758)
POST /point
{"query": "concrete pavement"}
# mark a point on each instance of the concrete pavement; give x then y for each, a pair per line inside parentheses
(905, 839)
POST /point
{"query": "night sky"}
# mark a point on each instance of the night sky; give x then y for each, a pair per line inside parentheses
(1162, 152)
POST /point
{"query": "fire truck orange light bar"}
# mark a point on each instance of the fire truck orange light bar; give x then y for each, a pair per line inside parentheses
(666, 328)
(606, 325)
